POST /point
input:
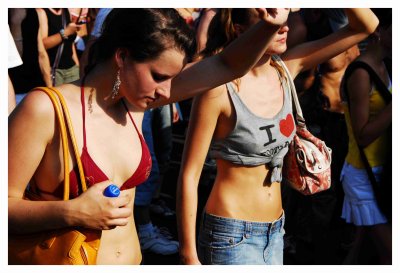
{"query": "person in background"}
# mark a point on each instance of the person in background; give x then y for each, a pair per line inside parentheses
(317, 217)
(81, 17)
(24, 26)
(202, 25)
(248, 125)
(58, 39)
(368, 118)
(13, 60)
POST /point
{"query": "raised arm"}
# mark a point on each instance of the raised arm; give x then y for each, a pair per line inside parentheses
(203, 119)
(233, 62)
(362, 23)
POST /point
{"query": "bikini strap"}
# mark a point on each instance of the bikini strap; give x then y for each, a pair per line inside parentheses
(83, 112)
(134, 124)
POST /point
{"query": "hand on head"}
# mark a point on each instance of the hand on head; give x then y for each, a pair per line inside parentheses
(274, 16)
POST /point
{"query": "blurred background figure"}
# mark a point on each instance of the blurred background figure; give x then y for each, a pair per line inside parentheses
(24, 26)
(368, 110)
(13, 60)
(59, 33)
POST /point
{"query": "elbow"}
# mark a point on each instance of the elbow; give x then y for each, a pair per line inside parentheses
(362, 141)
(372, 26)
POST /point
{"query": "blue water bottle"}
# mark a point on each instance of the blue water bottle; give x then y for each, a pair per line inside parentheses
(112, 191)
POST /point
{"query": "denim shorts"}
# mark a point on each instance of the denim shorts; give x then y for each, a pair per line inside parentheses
(227, 241)
(67, 75)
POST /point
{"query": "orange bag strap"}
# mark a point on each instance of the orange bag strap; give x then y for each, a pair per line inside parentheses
(67, 118)
(64, 136)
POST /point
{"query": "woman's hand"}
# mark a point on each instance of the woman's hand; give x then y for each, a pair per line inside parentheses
(274, 16)
(94, 210)
(71, 29)
(189, 261)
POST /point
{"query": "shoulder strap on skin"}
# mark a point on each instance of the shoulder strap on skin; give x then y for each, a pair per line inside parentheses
(67, 118)
(299, 114)
(380, 85)
(64, 137)
(64, 121)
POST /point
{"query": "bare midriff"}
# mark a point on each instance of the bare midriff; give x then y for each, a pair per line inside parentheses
(245, 193)
(120, 246)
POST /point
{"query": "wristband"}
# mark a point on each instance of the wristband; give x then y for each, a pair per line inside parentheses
(62, 33)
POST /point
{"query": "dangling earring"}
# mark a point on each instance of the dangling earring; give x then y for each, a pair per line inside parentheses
(116, 85)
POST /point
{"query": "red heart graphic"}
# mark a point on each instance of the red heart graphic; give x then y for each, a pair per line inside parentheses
(287, 125)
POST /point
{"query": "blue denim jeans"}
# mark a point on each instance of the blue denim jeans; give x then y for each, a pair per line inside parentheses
(145, 191)
(228, 241)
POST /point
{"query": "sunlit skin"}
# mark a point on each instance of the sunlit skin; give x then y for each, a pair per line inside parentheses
(112, 140)
(141, 84)
(151, 80)
(247, 192)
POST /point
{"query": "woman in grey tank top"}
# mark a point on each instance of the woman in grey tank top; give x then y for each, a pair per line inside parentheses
(247, 125)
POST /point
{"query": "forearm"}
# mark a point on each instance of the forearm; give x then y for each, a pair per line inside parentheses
(375, 128)
(75, 54)
(45, 69)
(186, 216)
(242, 54)
(362, 20)
(52, 41)
(25, 216)
(11, 96)
(233, 62)
(44, 62)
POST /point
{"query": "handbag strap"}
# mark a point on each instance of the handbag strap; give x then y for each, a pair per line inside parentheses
(64, 137)
(297, 108)
(67, 118)
(380, 85)
(64, 121)
(386, 95)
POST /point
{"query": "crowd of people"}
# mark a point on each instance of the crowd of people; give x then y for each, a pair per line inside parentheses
(130, 76)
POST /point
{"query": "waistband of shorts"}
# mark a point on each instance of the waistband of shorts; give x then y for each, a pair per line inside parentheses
(219, 223)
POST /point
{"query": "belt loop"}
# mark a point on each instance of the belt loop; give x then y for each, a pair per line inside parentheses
(282, 221)
(248, 228)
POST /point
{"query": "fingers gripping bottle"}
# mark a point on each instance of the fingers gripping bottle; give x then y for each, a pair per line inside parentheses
(111, 191)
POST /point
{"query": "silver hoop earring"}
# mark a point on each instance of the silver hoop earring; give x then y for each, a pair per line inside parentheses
(115, 89)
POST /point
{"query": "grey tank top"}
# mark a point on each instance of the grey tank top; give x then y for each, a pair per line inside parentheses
(255, 140)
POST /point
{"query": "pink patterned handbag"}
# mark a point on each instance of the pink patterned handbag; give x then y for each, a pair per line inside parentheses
(307, 165)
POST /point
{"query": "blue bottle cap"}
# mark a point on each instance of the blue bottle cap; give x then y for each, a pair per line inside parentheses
(112, 191)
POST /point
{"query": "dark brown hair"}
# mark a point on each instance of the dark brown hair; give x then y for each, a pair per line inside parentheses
(146, 33)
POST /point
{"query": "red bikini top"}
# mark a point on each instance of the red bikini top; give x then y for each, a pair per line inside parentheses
(94, 174)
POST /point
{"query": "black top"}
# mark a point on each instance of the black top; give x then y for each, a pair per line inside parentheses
(28, 75)
(55, 24)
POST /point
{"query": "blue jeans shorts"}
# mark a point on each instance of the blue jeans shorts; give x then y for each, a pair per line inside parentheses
(227, 241)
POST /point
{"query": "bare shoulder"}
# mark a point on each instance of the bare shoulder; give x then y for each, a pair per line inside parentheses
(37, 104)
(41, 13)
(215, 99)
